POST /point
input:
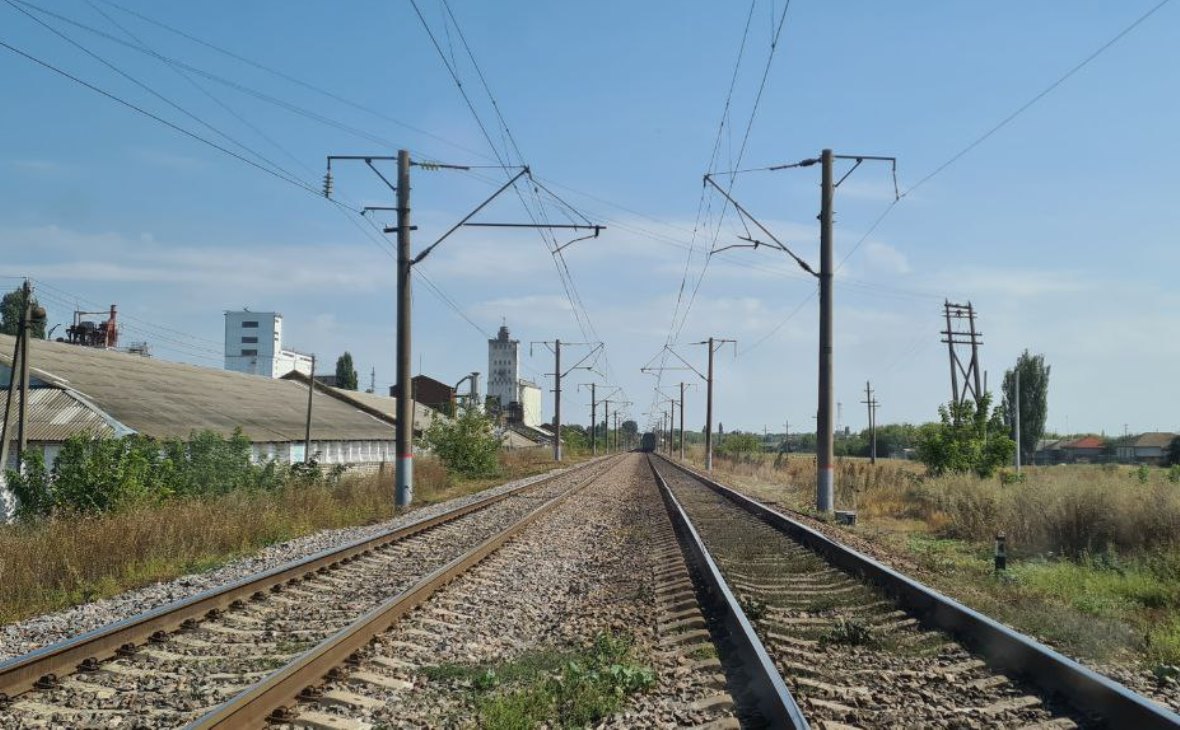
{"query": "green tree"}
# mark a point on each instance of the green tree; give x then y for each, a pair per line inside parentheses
(10, 315)
(740, 445)
(345, 372)
(1172, 457)
(465, 443)
(575, 438)
(1034, 401)
(965, 440)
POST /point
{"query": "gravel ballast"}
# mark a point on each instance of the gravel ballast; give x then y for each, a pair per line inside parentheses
(22, 637)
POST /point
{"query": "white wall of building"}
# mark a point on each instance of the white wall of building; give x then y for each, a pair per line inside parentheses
(254, 345)
(530, 401)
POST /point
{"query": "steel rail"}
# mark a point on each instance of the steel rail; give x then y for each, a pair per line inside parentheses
(765, 684)
(268, 698)
(1002, 648)
(41, 668)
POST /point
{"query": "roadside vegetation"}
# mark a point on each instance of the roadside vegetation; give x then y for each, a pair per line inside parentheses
(115, 514)
(1094, 550)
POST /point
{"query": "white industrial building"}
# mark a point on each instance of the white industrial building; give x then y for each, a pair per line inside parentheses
(254, 345)
(506, 388)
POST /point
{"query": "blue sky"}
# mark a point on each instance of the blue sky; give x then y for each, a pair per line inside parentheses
(1060, 227)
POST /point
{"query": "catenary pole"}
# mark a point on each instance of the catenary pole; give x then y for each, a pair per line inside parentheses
(682, 420)
(22, 412)
(404, 444)
(307, 424)
(825, 456)
(709, 412)
(593, 423)
(557, 400)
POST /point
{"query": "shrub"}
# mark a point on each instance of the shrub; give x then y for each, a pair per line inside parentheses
(740, 445)
(466, 444)
(965, 440)
(104, 474)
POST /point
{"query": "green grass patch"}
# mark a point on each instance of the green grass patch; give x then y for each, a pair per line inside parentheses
(559, 689)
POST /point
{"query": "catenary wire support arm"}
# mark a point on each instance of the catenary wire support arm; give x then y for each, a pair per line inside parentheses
(426, 251)
(756, 243)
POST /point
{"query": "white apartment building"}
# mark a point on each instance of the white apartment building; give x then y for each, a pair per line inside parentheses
(254, 345)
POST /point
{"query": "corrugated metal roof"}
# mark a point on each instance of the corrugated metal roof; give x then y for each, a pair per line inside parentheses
(381, 406)
(1158, 440)
(55, 415)
(167, 399)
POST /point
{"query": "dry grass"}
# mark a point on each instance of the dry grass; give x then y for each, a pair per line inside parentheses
(69, 560)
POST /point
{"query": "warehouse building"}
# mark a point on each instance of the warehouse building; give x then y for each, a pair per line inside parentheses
(81, 390)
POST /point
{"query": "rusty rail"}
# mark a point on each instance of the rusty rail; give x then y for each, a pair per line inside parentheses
(41, 668)
(269, 698)
(1000, 647)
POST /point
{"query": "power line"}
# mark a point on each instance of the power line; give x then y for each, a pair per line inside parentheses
(157, 118)
(1042, 94)
(292, 79)
(285, 173)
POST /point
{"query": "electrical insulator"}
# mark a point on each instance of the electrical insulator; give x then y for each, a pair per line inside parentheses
(328, 184)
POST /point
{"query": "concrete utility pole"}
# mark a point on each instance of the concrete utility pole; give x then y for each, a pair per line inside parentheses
(606, 424)
(1016, 420)
(22, 415)
(682, 420)
(616, 429)
(555, 348)
(709, 411)
(557, 400)
(871, 403)
(18, 380)
(713, 343)
(825, 448)
(825, 456)
(307, 424)
(593, 420)
(404, 438)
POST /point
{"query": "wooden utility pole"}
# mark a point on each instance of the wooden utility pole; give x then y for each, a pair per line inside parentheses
(307, 425)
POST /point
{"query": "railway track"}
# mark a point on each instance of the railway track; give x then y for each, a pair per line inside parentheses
(601, 567)
(169, 666)
(858, 645)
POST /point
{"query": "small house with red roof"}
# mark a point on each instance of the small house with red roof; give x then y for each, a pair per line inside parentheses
(1085, 450)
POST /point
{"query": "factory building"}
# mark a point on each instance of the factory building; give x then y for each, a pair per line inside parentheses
(518, 399)
(82, 390)
(254, 345)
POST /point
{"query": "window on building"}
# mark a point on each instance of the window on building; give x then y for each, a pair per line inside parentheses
(246, 353)
(250, 325)
(250, 340)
